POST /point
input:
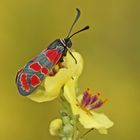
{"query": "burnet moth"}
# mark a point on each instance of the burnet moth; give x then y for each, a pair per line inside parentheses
(34, 72)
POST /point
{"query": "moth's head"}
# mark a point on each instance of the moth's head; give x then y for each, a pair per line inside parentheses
(68, 42)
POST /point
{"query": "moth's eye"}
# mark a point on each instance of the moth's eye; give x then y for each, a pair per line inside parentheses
(69, 43)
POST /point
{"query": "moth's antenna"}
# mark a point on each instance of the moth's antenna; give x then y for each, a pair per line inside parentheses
(72, 55)
(83, 29)
(69, 36)
(76, 18)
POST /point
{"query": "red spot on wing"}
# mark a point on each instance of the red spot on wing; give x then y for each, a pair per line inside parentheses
(44, 70)
(53, 55)
(57, 58)
(18, 74)
(24, 82)
(35, 80)
(35, 66)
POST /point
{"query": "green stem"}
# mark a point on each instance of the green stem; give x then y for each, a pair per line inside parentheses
(70, 131)
(75, 130)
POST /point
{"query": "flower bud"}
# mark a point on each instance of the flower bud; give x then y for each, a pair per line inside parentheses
(55, 127)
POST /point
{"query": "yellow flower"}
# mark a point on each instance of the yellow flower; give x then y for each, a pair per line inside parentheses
(85, 106)
(52, 85)
(55, 127)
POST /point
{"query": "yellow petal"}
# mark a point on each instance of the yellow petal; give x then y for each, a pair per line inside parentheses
(51, 86)
(95, 120)
(87, 119)
(102, 131)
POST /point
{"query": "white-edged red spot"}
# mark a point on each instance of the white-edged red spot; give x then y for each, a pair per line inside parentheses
(24, 82)
(35, 80)
(53, 56)
(57, 58)
(35, 66)
(18, 74)
(44, 70)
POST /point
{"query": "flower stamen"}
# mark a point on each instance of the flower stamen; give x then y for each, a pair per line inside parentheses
(90, 101)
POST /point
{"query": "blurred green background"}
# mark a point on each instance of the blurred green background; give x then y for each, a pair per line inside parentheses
(111, 51)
